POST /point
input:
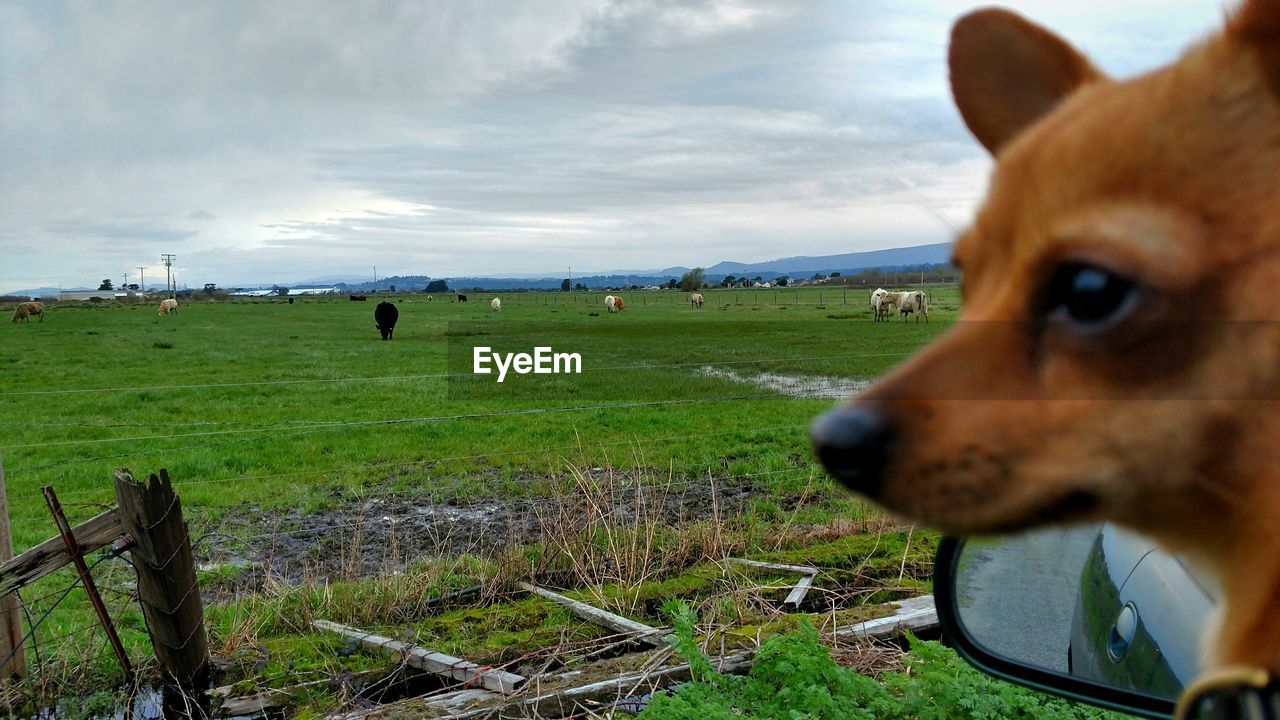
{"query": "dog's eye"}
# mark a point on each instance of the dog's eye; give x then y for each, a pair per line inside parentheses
(1088, 294)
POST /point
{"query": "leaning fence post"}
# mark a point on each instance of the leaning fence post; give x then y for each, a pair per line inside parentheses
(13, 660)
(152, 514)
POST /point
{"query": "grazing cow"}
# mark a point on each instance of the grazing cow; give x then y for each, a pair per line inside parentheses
(696, 299)
(611, 303)
(618, 303)
(496, 304)
(428, 298)
(913, 302)
(168, 306)
(385, 316)
(462, 298)
(27, 309)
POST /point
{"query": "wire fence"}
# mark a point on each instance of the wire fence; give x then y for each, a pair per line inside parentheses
(427, 376)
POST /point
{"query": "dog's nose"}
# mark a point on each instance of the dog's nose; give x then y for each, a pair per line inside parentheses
(854, 443)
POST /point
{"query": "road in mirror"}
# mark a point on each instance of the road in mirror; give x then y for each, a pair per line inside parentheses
(1095, 602)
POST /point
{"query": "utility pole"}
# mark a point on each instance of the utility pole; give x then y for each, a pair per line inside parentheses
(168, 259)
(125, 287)
(142, 281)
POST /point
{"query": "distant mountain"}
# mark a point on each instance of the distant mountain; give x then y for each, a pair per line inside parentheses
(40, 292)
(797, 267)
(936, 254)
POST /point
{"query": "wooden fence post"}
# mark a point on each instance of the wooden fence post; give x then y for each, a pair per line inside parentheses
(152, 514)
(10, 613)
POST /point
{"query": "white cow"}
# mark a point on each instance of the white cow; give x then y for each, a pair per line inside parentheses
(696, 299)
(496, 304)
(881, 299)
(168, 306)
(611, 303)
(913, 302)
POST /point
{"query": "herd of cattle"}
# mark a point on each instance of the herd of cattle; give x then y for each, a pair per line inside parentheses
(386, 314)
(907, 303)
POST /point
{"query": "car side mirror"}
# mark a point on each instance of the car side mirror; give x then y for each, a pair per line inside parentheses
(1095, 614)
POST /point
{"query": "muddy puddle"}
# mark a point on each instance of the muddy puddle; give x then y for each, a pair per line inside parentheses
(385, 532)
(797, 386)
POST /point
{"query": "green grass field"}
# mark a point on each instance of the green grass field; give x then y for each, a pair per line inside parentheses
(295, 408)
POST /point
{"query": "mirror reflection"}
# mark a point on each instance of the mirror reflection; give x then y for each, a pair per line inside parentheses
(1096, 602)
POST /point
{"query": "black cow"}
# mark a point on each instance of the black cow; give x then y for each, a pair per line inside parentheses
(385, 315)
(462, 298)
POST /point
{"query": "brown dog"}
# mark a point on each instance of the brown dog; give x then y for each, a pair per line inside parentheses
(1118, 355)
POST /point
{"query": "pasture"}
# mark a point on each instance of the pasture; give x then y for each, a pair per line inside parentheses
(297, 440)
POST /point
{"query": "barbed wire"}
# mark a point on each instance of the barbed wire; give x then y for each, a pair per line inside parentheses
(546, 450)
(338, 424)
(434, 376)
(384, 423)
(32, 627)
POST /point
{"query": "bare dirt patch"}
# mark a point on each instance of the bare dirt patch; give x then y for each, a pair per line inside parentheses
(383, 532)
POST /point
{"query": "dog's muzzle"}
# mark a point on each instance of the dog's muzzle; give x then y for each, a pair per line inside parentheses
(854, 444)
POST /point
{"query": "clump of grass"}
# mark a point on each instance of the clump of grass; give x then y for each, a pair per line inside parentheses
(794, 675)
(162, 345)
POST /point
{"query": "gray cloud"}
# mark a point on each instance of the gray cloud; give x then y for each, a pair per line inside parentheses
(484, 136)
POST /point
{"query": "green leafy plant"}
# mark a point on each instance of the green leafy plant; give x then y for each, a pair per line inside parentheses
(794, 677)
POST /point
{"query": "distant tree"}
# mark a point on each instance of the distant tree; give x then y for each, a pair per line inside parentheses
(391, 288)
(673, 283)
(729, 280)
(132, 287)
(437, 286)
(835, 274)
(782, 281)
(579, 286)
(565, 286)
(106, 285)
(693, 280)
(210, 288)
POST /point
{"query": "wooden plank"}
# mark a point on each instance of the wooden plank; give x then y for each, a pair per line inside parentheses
(653, 636)
(915, 615)
(450, 703)
(800, 569)
(96, 532)
(797, 594)
(433, 662)
(912, 614)
(269, 699)
(606, 692)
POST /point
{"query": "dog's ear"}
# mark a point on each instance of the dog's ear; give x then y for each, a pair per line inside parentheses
(1006, 72)
(1257, 24)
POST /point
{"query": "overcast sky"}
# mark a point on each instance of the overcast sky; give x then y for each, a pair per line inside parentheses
(280, 141)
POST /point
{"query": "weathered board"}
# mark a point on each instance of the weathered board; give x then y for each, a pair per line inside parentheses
(433, 662)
